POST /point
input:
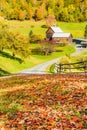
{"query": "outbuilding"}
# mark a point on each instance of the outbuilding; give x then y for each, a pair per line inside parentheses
(56, 34)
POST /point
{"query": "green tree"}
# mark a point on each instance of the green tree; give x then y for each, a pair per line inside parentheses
(59, 3)
(85, 32)
(64, 16)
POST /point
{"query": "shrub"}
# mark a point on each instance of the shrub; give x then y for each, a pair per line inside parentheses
(59, 50)
(41, 51)
(80, 58)
(65, 61)
(35, 38)
(62, 44)
(43, 26)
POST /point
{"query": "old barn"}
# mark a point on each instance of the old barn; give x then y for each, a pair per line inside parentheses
(56, 34)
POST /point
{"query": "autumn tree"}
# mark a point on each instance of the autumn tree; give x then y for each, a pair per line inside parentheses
(3, 34)
(18, 44)
(40, 9)
(50, 4)
(15, 42)
(39, 13)
(22, 14)
(14, 13)
(51, 20)
(30, 11)
(60, 3)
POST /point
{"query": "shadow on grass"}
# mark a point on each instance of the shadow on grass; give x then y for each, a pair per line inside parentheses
(3, 72)
(7, 55)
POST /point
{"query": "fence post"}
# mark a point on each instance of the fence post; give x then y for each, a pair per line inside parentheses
(69, 68)
(56, 67)
(60, 67)
(84, 67)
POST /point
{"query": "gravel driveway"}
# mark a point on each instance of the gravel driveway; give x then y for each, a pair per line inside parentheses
(41, 68)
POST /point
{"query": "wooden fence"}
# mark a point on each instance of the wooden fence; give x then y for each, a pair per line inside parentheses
(80, 67)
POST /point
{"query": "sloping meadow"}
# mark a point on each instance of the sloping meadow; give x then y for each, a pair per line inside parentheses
(43, 102)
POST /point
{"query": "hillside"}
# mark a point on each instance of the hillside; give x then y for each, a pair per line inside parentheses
(43, 102)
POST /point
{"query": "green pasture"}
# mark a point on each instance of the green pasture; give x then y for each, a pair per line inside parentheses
(24, 27)
(76, 29)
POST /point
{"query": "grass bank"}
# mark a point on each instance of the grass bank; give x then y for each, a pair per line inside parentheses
(11, 65)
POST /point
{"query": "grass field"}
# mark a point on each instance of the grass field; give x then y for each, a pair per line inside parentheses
(10, 65)
(24, 27)
(76, 29)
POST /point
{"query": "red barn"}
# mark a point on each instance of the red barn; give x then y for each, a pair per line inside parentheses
(56, 34)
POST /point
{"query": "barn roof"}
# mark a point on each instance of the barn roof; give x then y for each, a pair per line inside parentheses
(61, 35)
(56, 29)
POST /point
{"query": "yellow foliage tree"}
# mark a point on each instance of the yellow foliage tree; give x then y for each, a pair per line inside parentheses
(51, 20)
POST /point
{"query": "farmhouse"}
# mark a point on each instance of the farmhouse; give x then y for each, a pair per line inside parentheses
(56, 34)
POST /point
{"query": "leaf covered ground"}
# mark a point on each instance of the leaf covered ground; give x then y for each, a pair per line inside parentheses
(43, 102)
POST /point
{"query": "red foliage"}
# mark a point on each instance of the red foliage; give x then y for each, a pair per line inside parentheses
(50, 102)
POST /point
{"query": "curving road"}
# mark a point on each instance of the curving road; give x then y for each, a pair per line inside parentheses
(41, 68)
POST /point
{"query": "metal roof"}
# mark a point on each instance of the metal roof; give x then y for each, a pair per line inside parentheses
(56, 29)
(61, 35)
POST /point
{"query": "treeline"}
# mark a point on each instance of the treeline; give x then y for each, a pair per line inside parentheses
(63, 10)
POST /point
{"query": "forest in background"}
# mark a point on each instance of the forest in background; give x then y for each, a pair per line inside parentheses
(63, 10)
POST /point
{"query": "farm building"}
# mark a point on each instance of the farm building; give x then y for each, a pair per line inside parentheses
(80, 42)
(56, 34)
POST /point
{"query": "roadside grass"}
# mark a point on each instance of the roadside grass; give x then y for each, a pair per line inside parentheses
(12, 66)
(84, 53)
(73, 59)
